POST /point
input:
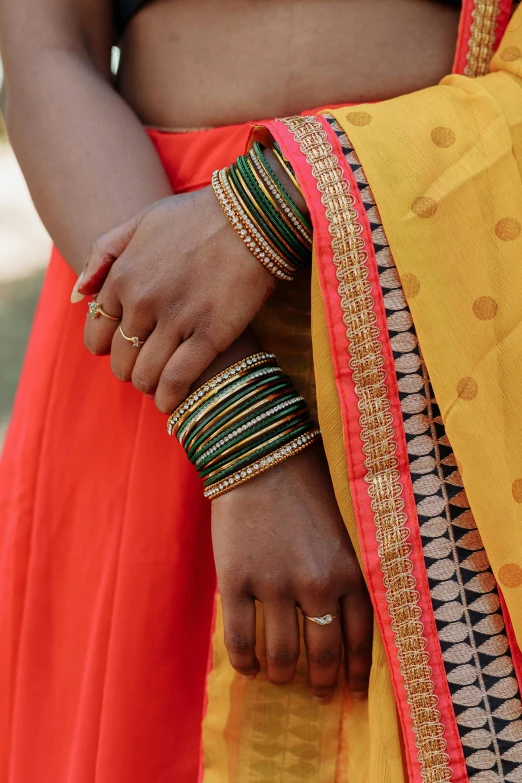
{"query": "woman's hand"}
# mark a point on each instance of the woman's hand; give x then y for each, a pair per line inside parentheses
(181, 280)
(280, 539)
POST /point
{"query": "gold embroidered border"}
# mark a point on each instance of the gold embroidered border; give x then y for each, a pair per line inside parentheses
(482, 37)
(379, 447)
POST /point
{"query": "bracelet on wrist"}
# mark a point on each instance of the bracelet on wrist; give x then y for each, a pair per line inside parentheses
(241, 422)
(263, 214)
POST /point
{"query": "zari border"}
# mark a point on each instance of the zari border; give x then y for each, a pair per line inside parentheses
(482, 23)
(384, 487)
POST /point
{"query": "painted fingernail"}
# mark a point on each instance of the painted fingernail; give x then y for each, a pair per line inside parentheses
(360, 695)
(75, 294)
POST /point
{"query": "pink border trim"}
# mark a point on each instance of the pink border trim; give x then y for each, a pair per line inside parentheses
(468, 6)
(352, 435)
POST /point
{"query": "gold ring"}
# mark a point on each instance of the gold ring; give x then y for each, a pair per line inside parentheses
(326, 619)
(136, 342)
(95, 309)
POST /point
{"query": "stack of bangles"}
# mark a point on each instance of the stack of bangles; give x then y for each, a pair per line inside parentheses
(263, 214)
(242, 422)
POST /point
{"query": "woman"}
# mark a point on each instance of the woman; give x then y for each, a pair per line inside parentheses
(104, 523)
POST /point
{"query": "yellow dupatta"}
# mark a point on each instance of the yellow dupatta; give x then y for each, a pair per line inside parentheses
(444, 168)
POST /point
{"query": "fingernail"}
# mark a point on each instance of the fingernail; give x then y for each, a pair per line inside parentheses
(360, 695)
(250, 676)
(75, 294)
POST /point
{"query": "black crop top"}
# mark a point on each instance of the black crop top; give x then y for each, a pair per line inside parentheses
(125, 9)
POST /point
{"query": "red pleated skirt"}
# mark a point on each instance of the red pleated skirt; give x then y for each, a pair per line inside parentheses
(106, 571)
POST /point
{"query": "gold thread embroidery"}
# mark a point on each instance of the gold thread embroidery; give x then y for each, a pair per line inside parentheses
(379, 447)
(482, 37)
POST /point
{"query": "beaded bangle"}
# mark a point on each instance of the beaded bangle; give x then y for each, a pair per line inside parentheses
(241, 422)
(244, 227)
(268, 217)
(287, 166)
(275, 216)
(253, 213)
(285, 204)
(267, 462)
(216, 382)
(234, 462)
(263, 214)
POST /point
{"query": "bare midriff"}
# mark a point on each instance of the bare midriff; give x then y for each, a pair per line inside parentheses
(191, 64)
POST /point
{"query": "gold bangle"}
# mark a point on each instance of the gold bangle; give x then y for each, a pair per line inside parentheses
(272, 195)
(184, 437)
(239, 430)
(283, 263)
(269, 399)
(243, 226)
(219, 380)
(227, 424)
(285, 164)
(247, 209)
(184, 430)
(251, 471)
(287, 420)
(284, 206)
(233, 462)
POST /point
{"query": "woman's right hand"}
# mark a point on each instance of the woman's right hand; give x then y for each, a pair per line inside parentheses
(280, 539)
(183, 281)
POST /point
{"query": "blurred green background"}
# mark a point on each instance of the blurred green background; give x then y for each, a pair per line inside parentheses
(18, 300)
(24, 250)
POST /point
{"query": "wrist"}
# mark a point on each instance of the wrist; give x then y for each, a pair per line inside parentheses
(241, 422)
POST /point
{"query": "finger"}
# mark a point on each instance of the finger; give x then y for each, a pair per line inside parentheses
(357, 626)
(186, 365)
(104, 253)
(152, 358)
(239, 616)
(324, 651)
(281, 641)
(99, 331)
(129, 339)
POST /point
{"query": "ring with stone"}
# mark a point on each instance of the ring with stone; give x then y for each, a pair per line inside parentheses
(326, 619)
(94, 309)
(136, 342)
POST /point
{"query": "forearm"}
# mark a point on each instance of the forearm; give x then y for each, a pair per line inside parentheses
(88, 162)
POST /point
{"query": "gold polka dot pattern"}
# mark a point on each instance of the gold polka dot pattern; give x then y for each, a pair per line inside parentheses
(359, 118)
(467, 388)
(443, 137)
(508, 229)
(410, 285)
(485, 308)
(516, 490)
(424, 207)
(510, 54)
(510, 575)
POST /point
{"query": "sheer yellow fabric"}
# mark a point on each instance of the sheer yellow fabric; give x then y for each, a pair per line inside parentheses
(442, 164)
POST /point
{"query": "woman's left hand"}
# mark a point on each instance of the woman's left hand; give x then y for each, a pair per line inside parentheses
(183, 282)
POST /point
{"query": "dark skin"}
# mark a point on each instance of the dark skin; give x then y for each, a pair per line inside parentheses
(91, 167)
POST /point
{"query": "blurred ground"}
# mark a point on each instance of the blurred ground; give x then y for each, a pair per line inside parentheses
(24, 252)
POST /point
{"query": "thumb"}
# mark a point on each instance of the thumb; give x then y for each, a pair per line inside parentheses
(103, 254)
